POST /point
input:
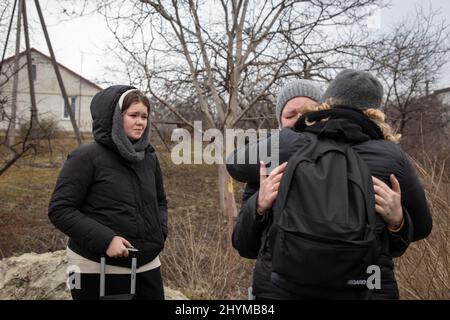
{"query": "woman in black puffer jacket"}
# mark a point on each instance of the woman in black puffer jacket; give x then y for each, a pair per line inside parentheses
(351, 93)
(109, 196)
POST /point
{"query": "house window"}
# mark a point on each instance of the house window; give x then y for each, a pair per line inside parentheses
(33, 72)
(73, 105)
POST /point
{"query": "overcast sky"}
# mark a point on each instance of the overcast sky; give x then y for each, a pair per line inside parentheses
(79, 43)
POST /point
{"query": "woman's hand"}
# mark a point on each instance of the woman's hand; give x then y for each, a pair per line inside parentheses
(388, 202)
(268, 186)
(118, 247)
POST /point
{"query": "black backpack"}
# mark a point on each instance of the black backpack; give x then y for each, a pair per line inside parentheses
(322, 237)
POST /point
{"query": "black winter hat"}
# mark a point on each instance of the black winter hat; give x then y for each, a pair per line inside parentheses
(354, 88)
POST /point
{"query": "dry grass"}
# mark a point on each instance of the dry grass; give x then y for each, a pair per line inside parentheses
(24, 194)
(199, 264)
(195, 253)
(423, 272)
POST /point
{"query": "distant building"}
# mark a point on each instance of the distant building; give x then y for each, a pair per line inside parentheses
(49, 100)
(443, 96)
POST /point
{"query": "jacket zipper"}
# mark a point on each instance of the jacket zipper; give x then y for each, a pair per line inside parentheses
(139, 204)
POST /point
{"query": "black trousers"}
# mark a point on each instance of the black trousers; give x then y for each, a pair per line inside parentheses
(149, 285)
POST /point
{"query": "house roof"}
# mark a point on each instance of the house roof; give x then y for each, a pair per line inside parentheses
(436, 92)
(59, 64)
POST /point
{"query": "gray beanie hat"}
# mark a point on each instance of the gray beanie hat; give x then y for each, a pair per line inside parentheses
(356, 89)
(294, 89)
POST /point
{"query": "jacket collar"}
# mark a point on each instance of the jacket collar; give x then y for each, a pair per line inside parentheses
(339, 123)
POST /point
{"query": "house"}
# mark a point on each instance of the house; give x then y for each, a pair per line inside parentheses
(443, 96)
(49, 100)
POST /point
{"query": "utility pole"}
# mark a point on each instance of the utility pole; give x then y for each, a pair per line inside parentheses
(58, 75)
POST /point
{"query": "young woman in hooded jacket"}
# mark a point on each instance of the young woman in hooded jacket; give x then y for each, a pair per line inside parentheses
(351, 96)
(109, 197)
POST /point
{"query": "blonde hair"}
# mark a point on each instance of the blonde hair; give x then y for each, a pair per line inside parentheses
(373, 114)
(379, 117)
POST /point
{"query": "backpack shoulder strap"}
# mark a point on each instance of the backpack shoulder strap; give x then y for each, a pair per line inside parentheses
(367, 185)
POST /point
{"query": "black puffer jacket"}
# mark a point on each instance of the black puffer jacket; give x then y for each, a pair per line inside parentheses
(382, 157)
(99, 195)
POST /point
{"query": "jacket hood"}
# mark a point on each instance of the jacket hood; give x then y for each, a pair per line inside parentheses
(102, 110)
(341, 123)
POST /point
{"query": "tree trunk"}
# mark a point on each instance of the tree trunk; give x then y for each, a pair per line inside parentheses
(226, 192)
(227, 202)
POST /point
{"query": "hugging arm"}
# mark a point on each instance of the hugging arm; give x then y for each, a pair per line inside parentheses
(250, 225)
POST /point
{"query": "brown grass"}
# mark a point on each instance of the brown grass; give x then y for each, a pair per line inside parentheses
(423, 272)
(24, 194)
(195, 251)
(199, 265)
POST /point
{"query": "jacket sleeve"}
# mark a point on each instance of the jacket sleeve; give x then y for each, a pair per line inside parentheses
(249, 228)
(243, 164)
(162, 200)
(67, 199)
(399, 241)
(415, 202)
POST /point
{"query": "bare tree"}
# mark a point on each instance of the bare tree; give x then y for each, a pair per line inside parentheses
(225, 56)
(409, 59)
(10, 152)
(5, 14)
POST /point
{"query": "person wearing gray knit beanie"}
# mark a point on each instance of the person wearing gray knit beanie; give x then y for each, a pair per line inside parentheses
(293, 98)
(354, 88)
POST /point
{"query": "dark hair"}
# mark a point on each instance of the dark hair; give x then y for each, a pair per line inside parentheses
(135, 97)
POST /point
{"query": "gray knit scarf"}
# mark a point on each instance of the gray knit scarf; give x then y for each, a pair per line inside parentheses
(130, 151)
